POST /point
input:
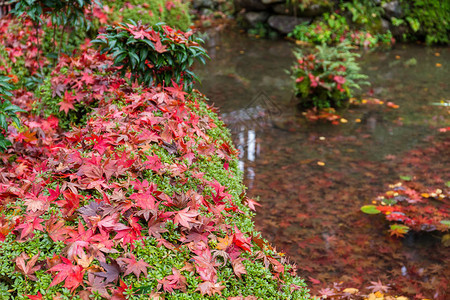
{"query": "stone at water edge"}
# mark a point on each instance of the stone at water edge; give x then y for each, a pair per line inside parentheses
(285, 24)
(254, 17)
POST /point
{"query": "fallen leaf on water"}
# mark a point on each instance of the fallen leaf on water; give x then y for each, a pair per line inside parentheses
(351, 291)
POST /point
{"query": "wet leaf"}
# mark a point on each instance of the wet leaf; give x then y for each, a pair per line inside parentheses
(370, 209)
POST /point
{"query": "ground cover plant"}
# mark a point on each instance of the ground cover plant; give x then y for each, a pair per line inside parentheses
(144, 199)
(327, 77)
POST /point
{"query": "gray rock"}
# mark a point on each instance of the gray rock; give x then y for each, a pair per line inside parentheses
(284, 9)
(393, 9)
(399, 31)
(314, 10)
(197, 4)
(285, 24)
(251, 5)
(291, 10)
(385, 24)
(272, 1)
(254, 17)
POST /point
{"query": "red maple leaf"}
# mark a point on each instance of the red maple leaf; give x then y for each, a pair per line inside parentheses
(28, 227)
(87, 78)
(70, 274)
(133, 266)
(171, 282)
(240, 240)
(111, 273)
(56, 229)
(35, 297)
(27, 268)
(159, 46)
(238, 267)
(186, 218)
(139, 34)
(210, 288)
(67, 103)
(205, 266)
(70, 203)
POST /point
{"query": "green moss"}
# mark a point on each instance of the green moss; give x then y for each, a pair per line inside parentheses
(428, 20)
(152, 12)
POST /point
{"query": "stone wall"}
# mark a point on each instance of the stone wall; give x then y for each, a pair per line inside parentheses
(283, 15)
(280, 15)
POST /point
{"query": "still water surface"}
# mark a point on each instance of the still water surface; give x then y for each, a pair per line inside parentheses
(312, 178)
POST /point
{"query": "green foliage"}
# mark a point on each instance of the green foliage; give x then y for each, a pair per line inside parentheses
(304, 4)
(48, 106)
(157, 54)
(365, 14)
(173, 13)
(334, 28)
(428, 19)
(327, 77)
(329, 30)
(8, 111)
(65, 16)
(62, 12)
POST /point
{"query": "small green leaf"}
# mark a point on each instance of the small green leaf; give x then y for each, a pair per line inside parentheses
(370, 209)
(405, 178)
(446, 222)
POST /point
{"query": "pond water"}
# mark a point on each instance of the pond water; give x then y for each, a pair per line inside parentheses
(312, 178)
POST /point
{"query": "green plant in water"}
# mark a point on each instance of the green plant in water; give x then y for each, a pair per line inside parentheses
(154, 54)
(327, 77)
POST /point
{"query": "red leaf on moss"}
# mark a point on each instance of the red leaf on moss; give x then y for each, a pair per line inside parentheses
(240, 240)
(210, 288)
(27, 268)
(70, 274)
(174, 281)
(132, 266)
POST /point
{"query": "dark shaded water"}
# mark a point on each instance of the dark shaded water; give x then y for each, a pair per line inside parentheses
(312, 178)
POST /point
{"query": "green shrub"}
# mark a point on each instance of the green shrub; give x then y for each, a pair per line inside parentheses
(327, 77)
(156, 54)
(428, 19)
(7, 111)
(74, 88)
(334, 28)
(63, 14)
